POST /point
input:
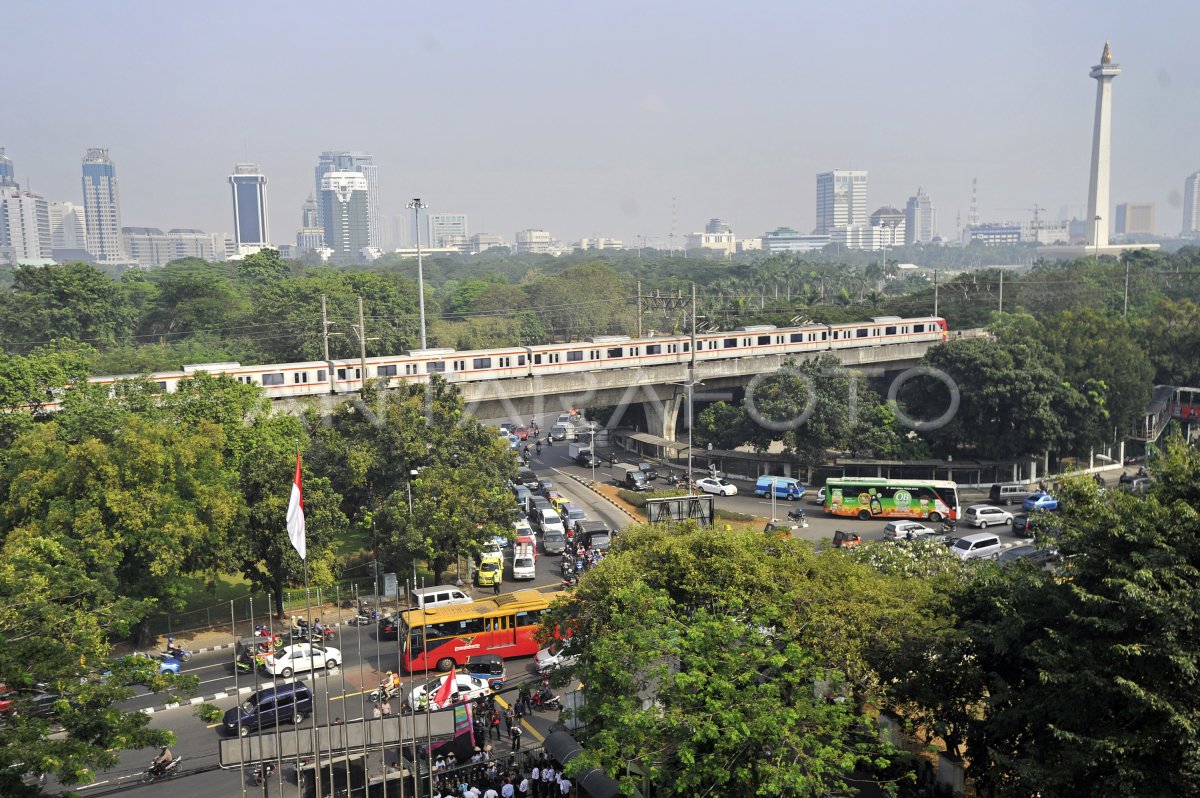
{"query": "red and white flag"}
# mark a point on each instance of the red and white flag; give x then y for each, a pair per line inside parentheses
(449, 687)
(295, 514)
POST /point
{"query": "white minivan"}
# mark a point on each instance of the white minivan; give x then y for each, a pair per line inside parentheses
(439, 596)
(980, 546)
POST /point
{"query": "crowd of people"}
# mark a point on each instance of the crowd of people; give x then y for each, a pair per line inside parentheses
(489, 776)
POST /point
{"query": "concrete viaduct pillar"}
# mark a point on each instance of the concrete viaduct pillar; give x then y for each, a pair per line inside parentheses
(662, 415)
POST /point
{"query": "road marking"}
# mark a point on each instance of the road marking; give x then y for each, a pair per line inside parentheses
(348, 695)
(524, 723)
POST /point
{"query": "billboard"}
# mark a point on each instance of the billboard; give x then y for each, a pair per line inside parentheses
(701, 508)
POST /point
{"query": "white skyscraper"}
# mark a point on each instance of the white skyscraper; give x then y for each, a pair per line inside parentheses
(1098, 192)
(920, 219)
(841, 199)
(364, 164)
(1191, 206)
(343, 203)
(68, 228)
(25, 218)
(102, 206)
(8, 178)
(249, 187)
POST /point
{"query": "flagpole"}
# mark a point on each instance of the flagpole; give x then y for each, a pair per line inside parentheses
(296, 534)
(241, 739)
(308, 632)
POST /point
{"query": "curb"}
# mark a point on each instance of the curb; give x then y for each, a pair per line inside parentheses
(631, 516)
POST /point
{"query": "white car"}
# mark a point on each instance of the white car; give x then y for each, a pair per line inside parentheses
(466, 688)
(985, 515)
(554, 656)
(301, 657)
(720, 487)
(899, 530)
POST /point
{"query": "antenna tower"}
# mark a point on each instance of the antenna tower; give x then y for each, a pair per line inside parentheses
(973, 216)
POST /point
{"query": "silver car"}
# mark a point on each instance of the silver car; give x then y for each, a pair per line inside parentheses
(985, 515)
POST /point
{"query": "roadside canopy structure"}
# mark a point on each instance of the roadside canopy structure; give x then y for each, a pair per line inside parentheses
(289, 743)
(594, 782)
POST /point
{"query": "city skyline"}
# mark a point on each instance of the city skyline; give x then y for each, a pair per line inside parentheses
(658, 161)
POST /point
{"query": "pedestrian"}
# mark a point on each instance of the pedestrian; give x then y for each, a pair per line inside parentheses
(515, 731)
(535, 780)
(523, 786)
(548, 781)
(519, 709)
(494, 719)
(491, 793)
(496, 585)
(564, 786)
(509, 716)
(387, 708)
(451, 761)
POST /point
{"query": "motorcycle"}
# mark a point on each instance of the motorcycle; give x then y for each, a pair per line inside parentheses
(178, 652)
(949, 526)
(365, 618)
(383, 693)
(154, 772)
(799, 516)
(545, 698)
(570, 581)
(263, 772)
(673, 480)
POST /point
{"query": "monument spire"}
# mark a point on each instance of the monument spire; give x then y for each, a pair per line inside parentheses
(1098, 187)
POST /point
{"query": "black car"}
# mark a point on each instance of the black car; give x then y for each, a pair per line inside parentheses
(526, 477)
(648, 470)
(1039, 557)
(588, 460)
(388, 628)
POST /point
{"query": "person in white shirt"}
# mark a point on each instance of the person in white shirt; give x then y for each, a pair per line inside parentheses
(564, 785)
(535, 776)
(491, 793)
(523, 787)
(507, 791)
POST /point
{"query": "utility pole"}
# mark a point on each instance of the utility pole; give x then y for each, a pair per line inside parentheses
(1002, 291)
(639, 308)
(935, 292)
(361, 332)
(324, 328)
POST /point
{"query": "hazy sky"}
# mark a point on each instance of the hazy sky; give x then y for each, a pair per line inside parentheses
(587, 119)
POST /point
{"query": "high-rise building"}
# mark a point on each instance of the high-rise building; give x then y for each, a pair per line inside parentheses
(364, 164)
(446, 229)
(102, 207)
(249, 187)
(25, 219)
(841, 199)
(8, 178)
(1191, 206)
(1098, 186)
(310, 216)
(717, 226)
(920, 219)
(344, 209)
(68, 229)
(888, 228)
(1135, 218)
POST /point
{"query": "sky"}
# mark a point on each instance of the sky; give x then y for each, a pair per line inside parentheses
(621, 119)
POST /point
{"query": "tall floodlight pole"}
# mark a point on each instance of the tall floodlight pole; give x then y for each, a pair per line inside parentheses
(416, 206)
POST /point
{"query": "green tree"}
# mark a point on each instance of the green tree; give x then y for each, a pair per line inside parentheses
(73, 301)
(700, 653)
(29, 382)
(1172, 337)
(264, 266)
(190, 298)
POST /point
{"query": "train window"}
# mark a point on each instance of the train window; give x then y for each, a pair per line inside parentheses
(824, 335)
(889, 330)
(504, 362)
(435, 367)
(341, 374)
(918, 328)
(654, 349)
(555, 357)
(747, 341)
(321, 375)
(687, 346)
(635, 351)
(575, 356)
(520, 360)
(731, 343)
(482, 363)
(272, 379)
(537, 360)
(299, 377)
(385, 371)
(797, 338)
(862, 332)
(764, 340)
(615, 351)
(162, 386)
(410, 368)
(594, 354)
(459, 365)
(779, 339)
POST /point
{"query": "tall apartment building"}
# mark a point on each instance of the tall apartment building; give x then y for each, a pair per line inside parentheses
(344, 211)
(102, 207)
(1135, 218)
(310, 215)
(249, 188)
(1191, 206)
(364, 164)
(447, 229)
(24, 225)
(68, 228)
(920, 219)
(841, 199)
(8, 177)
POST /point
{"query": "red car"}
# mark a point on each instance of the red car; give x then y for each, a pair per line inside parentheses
(521, 431)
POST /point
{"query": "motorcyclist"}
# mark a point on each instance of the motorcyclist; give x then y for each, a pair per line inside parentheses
(163, 760)
(612, 460)
(538, 447)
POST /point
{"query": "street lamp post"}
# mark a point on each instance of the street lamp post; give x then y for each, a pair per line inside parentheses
(416, 206)
(592, 445)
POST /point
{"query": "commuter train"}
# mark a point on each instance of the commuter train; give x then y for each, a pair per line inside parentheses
(284, 380)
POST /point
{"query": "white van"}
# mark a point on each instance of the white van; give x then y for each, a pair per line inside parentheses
(439, 596)
(980, 546)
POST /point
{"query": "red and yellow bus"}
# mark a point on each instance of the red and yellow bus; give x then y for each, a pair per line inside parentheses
(871, 497)
(443, 637)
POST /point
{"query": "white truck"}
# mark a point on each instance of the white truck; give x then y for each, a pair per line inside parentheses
(575, 449)
(524, 562)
